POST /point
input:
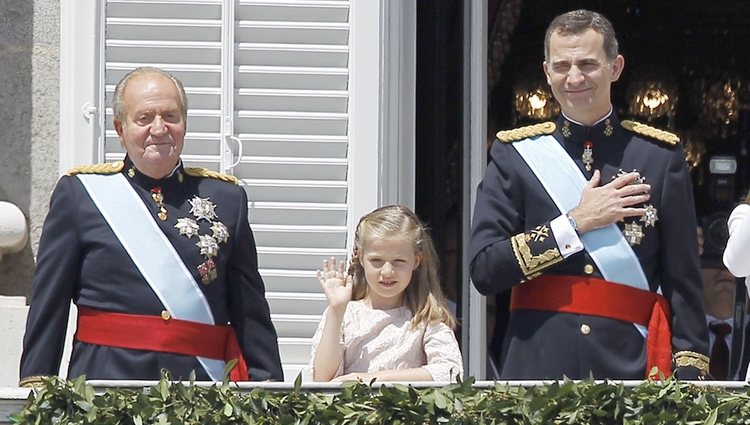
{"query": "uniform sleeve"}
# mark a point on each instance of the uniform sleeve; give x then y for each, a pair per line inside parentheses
(249, 311)
(316, 343)
(502, 243)
(55, 281)
(444, 359)
(737, 252)
(681, 282)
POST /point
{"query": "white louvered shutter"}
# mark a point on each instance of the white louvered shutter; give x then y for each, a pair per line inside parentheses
(268, 89)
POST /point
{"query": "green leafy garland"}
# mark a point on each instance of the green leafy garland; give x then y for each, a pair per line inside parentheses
(565, 402)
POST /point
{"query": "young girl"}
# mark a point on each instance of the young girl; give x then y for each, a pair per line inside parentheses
(388, 318)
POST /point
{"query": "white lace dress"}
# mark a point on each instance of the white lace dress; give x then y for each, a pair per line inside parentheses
(374, 340)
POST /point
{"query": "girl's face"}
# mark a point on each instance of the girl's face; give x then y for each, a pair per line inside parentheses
(388, 263)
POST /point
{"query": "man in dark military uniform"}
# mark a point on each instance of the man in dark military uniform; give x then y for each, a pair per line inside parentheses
(159, 259)
(590, 221)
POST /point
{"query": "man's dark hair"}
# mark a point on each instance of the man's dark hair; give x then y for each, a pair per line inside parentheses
(577, 22)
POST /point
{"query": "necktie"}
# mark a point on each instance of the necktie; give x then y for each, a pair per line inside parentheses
(719, 365)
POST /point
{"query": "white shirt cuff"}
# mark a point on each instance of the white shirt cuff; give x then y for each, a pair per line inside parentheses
(567, 239)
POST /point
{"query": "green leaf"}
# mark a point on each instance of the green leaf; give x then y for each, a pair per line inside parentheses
(298, 382)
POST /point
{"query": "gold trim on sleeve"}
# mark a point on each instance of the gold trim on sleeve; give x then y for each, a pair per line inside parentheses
(691, 358)
(32, 381)
(531, 264)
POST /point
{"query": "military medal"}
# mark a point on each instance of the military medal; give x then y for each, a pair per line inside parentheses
(204, 209)
(158, 198)
(622, 172)
(565, 129)
(207, 270)
(588, 155)
(187, 226)
(633, 233)
(650, 217)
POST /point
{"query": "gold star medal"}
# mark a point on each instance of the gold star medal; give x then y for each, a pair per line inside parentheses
(633, 233)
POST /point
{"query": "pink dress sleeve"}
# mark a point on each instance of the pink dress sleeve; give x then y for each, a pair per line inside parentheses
(444, 359)
(316, 342)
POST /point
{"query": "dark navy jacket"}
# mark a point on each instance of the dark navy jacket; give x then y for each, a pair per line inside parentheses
(80, 259)
(511, 200)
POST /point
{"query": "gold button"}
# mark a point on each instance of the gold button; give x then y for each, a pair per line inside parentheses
(165, 315)
(588, 269)
(585, 329)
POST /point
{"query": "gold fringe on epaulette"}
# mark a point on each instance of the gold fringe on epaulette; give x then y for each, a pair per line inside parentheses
(105, 168)
(507, 136)
(205, 172)
(652, 132)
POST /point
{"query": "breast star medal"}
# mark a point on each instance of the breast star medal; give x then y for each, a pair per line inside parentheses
(633, 233)
(650, 217)
(203, 209)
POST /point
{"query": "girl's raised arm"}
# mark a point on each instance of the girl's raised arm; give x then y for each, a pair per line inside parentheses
(338, 290)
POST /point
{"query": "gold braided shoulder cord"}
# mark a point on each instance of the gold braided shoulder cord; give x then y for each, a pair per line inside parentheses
(526, 132)
(652, 132)
(105, 168)
(205, 172)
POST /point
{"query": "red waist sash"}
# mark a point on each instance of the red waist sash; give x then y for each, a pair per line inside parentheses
(597, 297)
(152, 333)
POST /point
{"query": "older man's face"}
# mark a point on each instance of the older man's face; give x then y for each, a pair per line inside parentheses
(153, 128)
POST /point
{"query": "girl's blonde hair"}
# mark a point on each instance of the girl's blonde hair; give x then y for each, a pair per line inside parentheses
(423, 296)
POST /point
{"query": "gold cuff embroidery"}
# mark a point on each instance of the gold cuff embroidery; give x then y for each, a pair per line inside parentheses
(32, 381)
(532, 264)
(691, 358)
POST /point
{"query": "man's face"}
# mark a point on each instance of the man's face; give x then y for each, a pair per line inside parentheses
(718, 284)
(580, 75)
(153, 128)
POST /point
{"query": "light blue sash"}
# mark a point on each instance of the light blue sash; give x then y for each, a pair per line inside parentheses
(152, 253)
(564, 182)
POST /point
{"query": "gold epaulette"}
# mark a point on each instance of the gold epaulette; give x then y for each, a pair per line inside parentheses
(105, 168)
(32, 381)
(507, 136)
(651, 132)
(205, 172)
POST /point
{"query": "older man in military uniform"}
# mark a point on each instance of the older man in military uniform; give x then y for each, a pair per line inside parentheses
(159, 259)
(590, 221)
